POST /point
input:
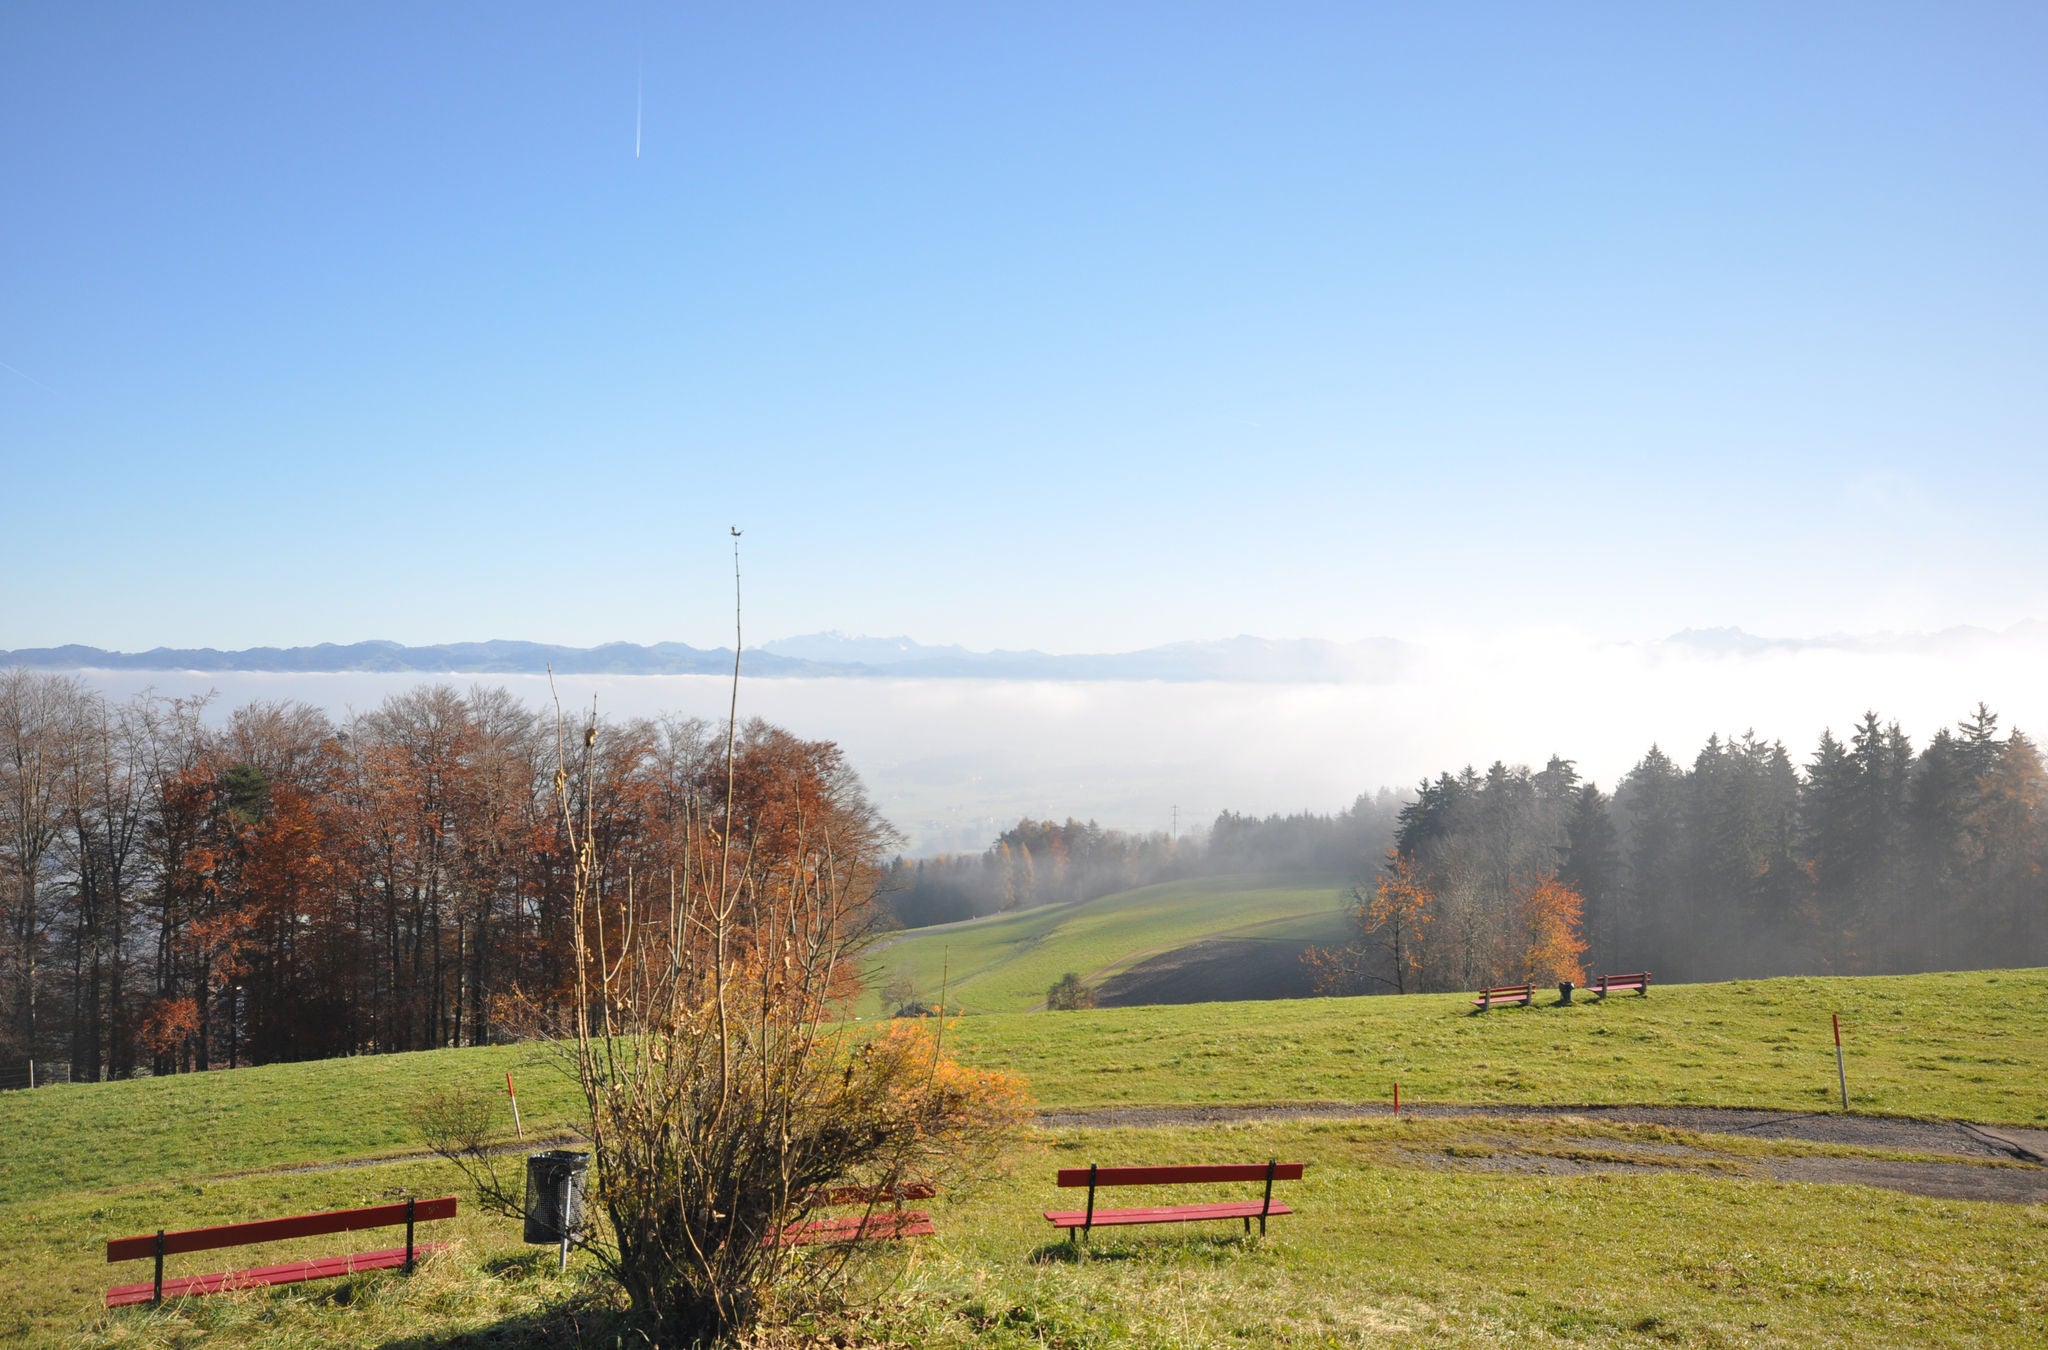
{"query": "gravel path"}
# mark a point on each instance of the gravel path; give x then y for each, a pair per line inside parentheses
(2023, 1180)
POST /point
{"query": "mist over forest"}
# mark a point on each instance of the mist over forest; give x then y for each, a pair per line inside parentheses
(1864, 855)
(1867, 854)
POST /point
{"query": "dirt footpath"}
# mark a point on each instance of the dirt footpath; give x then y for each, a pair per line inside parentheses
(2020, 1177)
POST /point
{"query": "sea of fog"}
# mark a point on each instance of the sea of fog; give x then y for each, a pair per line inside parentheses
(952, 761)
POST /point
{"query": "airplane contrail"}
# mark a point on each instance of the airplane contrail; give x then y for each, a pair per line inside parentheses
(639, 96)
(26, 376)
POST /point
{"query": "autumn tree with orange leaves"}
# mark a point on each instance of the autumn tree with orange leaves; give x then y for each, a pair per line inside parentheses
(1548, 911)
(1389, 946)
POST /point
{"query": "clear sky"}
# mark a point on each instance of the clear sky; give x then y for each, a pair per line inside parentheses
(1080, 327)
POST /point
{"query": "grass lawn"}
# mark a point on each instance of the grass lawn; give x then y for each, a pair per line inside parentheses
(1006, 962)
(1387, 1245)
(1398, 1234)
(1970, 1045)
(101, 1136)
(1391, 1240)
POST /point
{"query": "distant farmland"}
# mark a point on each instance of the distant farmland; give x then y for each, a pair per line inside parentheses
(1006, 962)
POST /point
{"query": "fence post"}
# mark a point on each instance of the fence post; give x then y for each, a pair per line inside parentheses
(410, 1203)
(158, 1295)
(1841, 1074)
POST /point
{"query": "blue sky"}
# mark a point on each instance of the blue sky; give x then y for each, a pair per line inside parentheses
(1079, 327)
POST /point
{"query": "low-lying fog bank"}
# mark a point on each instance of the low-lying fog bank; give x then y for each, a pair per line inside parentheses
(954, 760)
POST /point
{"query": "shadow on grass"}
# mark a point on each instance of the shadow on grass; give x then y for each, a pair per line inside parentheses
(573, 1325)
(577, 1317)
(1211, 1245)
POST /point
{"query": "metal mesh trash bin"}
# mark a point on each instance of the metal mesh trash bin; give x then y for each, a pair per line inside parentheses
(554, 1195)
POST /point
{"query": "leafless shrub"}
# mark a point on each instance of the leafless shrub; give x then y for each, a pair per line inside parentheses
(729, 1091)
(457, 1121)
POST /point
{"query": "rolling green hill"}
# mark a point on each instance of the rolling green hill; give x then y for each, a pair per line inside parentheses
(1006, 962)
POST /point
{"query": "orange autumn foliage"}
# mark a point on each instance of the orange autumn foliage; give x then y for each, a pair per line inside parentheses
(1549, 915)
(1390, 949)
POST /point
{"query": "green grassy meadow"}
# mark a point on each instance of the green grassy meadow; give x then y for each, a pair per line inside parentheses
(1006, 962)
(1402, 1232)
(1390, 1241)
(1971, 1045)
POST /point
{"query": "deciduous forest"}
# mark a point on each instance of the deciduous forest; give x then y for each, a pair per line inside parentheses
(184, 892)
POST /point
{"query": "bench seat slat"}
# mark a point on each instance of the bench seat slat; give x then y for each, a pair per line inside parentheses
(1174, 1176)
(277, 1230)
(1110, 1218)
(861, 1227)
(291, 1272)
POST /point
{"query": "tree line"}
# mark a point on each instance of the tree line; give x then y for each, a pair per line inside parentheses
(1871, 857)
(1040, 862)
(184, 892)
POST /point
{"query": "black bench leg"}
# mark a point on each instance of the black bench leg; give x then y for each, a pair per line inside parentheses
(158, 1296)
(1089, 1221)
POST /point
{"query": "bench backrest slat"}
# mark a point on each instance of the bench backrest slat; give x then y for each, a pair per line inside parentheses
(277, 1230)
(1173, 1176)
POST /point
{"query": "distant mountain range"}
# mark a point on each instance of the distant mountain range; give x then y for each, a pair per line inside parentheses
(1243, 660)
(815, 655)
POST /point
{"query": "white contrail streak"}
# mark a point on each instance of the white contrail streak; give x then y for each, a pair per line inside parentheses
(26, 376)
(639, 97)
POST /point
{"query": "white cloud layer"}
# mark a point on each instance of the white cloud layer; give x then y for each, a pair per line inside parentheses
(953, 760)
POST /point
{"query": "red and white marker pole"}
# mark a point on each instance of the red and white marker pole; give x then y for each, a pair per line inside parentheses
(1841, 1075)
(517, 1127)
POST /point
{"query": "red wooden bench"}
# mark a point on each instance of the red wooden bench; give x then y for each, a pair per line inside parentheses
(1606, 984)
(1082, 1220)
(161, 1244)
(1509, 994)
(872, 1226)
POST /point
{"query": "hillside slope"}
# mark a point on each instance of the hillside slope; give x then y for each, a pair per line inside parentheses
(1006, 962)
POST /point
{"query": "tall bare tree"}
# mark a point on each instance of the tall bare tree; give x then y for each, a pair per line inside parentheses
(40, 718)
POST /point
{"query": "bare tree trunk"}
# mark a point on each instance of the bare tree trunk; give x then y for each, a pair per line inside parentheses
(39, 726)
